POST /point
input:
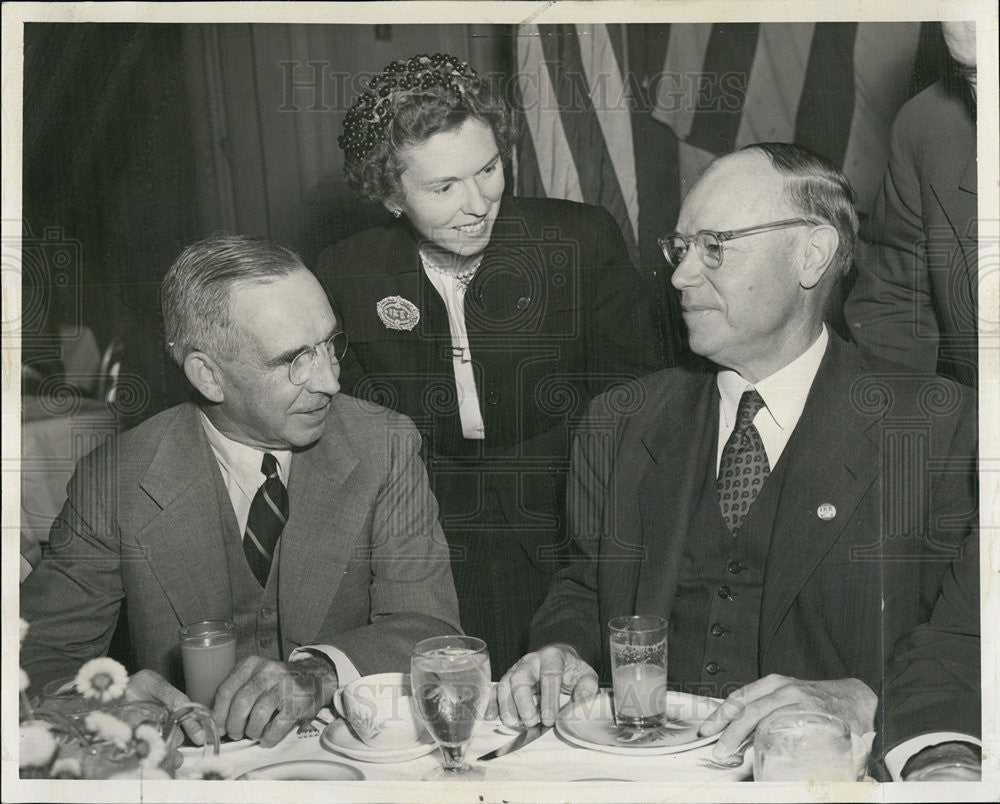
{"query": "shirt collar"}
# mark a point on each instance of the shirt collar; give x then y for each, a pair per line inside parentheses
(784, 392)
(243, 462)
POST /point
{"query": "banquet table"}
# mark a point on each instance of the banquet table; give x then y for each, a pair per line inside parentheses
(550, 758)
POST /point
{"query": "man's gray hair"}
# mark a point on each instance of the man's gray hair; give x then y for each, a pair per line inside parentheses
(818, 191)
(195, 292)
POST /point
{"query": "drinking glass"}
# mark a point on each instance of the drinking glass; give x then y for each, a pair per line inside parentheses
(208, 652)
(450, 678)
(639, 670)
(800, 746)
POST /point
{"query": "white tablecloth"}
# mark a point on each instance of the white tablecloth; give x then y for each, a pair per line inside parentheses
(550, 758)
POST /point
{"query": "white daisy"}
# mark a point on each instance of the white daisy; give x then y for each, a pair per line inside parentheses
(37, 744)
(66, 768)
(207, 768)
(108, 727)
(103, 678)
(149, 745)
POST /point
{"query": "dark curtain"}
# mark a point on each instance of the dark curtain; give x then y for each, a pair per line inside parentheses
(108, 192)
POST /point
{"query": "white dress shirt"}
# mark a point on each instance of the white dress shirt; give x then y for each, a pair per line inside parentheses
(452, 293)
(784, 394)
(240, 466)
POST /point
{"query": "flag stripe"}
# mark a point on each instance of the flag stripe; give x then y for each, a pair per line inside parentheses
(775, 83)
(677, 88)
(823, 122)
(556, 166)
(726, 71)
(607, 91)
(597, 179)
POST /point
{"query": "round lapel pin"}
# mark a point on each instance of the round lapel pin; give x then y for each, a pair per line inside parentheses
(826, 511)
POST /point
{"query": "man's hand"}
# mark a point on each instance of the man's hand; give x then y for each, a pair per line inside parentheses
(149, 686)
(546, 672)
(848, 698)
(262, 699)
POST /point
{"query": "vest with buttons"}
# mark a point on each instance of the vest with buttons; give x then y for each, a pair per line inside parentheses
(255, 610)
(714, 640)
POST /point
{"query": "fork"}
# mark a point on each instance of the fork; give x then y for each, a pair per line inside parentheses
(734, 760)
(307, 729)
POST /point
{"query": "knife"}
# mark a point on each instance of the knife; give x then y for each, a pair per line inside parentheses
(529, 735)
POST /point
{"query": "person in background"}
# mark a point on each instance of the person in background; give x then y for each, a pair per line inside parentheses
(915, 297)
(779, 511)
(274, 502)
(489, 320)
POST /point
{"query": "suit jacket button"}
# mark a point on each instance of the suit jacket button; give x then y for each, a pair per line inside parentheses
(523, 302)
(734, 567)
(712, 668)
(724, 592)
(717, 630)
(492, 398)
(265, 612)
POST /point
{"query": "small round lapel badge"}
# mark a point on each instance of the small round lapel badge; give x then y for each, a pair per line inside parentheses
(397, 313)
(826, 511)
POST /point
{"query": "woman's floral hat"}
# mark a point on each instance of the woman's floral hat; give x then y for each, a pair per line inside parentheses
(368, 119)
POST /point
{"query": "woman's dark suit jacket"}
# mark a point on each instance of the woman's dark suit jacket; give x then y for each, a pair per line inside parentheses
(556, 314)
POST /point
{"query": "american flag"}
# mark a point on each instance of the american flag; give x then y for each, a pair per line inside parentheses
(627, 116)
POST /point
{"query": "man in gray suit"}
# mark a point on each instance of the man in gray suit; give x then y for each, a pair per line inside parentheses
(301, 515)
(803, 517)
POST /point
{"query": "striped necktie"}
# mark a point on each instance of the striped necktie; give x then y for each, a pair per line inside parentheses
(268, 514)
(744, 467)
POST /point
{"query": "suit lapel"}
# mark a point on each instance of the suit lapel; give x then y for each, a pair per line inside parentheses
(183, 543)
(326, 517)
(832, 457)
(671, 488)
(960, 205)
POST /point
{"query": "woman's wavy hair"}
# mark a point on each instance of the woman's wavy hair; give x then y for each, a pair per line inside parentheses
(407, 103)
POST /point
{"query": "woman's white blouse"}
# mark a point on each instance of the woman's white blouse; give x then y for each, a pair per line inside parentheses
(452, 292)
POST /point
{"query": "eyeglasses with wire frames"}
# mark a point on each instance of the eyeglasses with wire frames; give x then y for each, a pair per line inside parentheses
(304, 363)
(708, 243)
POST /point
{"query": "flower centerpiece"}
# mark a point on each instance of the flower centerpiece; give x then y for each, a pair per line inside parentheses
(87, 729)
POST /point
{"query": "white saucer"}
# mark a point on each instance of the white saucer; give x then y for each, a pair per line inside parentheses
(338, 737)
(305, 770)
(590, 723)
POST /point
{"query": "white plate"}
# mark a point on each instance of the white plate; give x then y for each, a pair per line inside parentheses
(305, 770)
(590, 723)
(338, 737)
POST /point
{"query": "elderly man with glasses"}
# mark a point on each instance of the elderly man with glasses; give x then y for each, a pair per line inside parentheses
(803, 518)
(274, 502)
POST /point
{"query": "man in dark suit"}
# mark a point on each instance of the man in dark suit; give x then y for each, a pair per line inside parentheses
(794, 513)
(274, 502)
(915, 298)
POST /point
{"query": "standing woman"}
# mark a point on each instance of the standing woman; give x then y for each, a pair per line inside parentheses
(489, 320)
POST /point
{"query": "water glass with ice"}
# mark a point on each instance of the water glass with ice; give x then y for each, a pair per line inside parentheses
(450, 678)
(801, 746)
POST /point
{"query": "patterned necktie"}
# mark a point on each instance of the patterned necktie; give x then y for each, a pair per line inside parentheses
(743, 468)
(268, 515)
